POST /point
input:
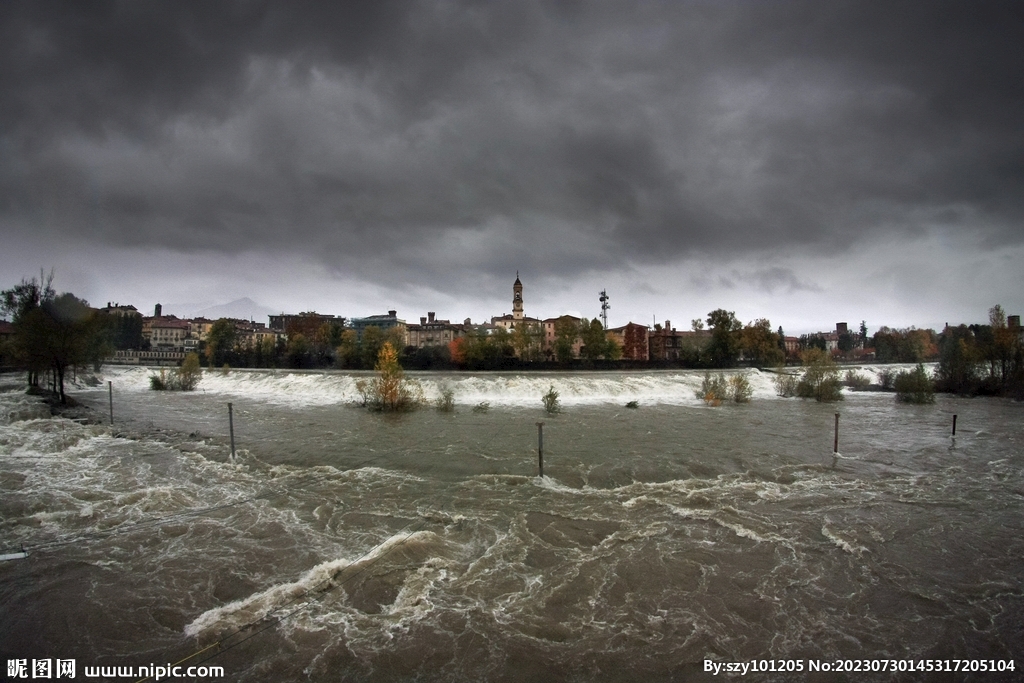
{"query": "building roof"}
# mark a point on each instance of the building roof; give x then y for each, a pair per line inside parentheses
(627, 325)
(169, 322)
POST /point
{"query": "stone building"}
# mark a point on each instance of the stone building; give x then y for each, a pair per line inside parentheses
(432, 332)
(382, 322)
(632, 339)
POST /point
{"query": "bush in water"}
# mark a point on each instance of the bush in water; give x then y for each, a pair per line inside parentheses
(821, 377)
(915, 386)
(550, 401)
(446, 401)
(856, 381)
(389, 391)
(185, 378)
(741, 390)
(713, 390)
(785, 383)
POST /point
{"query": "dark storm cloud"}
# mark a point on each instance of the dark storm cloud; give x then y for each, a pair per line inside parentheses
(421, 137)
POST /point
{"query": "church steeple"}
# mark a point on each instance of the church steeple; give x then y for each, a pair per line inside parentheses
(517, 299)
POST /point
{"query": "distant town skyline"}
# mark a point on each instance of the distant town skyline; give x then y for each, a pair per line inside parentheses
(803, 162)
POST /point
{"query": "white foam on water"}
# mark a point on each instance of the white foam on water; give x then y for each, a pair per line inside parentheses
(839, 541)
(294, 388)
(258, 606)
(735, 527)
(324, 575)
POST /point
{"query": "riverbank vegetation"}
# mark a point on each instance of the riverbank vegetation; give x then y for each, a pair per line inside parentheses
(716, 389)
(54, 334)
(389, 391)
(915, 386)
(183, 378)
(820, 378)
(550, 401)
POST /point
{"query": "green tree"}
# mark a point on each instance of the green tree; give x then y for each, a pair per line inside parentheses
(760, 345)
(52, 332)
(813, 341)
(501, 340)
(220, 342)
(526, 340)
(189, 374)
(724, 349)
(298, 350)
(821, 377)
(123, 331)
(265, 353)
(370, 345)
(1000, 352)
(846, 342)
(396, 337)
(567, 330)
(322, 344)
(72, 329)
(476, 351)
(595, 341)
(347, 353)
(915, 386)
(958, 361)
(904, 346)
(20, 303)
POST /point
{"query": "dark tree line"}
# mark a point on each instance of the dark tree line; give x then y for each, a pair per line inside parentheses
(982, 359)
(52, 332)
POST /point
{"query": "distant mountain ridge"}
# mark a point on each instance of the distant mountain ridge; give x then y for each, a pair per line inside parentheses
(243, 309)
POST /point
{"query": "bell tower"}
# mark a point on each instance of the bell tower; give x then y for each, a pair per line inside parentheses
(517, 299)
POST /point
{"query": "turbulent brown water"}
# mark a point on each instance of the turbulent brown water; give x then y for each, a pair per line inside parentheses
(344, 545)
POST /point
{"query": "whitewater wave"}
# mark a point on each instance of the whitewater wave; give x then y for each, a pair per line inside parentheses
(322, 577)
(298, 388)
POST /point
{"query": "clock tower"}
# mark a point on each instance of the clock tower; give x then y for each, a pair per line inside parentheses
(517, 299)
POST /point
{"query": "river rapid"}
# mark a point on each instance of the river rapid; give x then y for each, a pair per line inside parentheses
(344, 545)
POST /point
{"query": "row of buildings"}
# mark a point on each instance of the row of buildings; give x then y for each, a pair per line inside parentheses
(168, 338)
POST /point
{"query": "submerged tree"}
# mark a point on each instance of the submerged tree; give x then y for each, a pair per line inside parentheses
(20, 302)
(52, 332)
(716, 389)
(184, 378)
(713, 389)
(550, 401)
(389, 390)
(915, 386)
(821, 377)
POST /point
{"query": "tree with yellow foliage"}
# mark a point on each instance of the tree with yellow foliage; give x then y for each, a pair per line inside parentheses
(389, 391)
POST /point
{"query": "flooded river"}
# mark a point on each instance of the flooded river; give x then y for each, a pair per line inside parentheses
(345, 545)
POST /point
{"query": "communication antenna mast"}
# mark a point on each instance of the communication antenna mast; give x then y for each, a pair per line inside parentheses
(604, 308)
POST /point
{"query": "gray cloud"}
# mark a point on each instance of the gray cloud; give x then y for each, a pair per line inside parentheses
(776, 279)
(437, 142)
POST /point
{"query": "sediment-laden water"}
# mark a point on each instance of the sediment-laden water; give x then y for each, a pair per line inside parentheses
(345, 545)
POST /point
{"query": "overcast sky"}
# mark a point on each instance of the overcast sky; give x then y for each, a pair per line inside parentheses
(808, 162)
